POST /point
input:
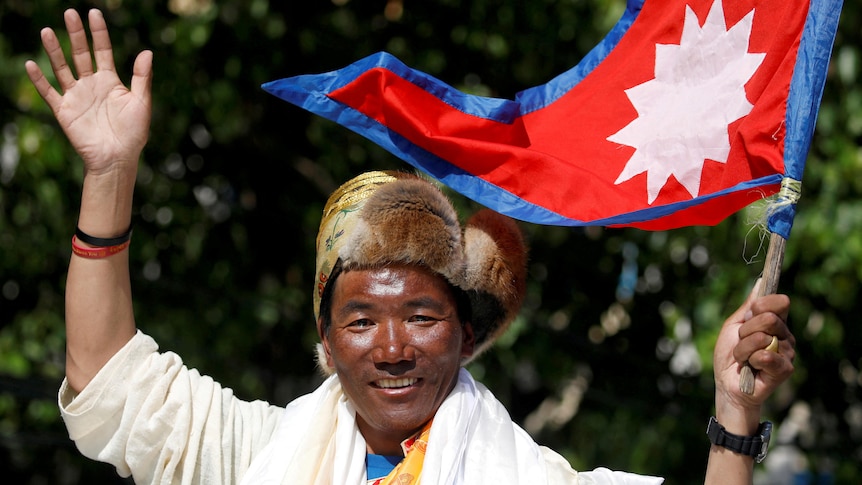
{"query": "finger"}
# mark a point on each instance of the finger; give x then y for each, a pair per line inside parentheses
(776, 303)
(43, 87)
(777, 366)
(762, 340)
(787, 348)
(142, 76)
(767, 314)
(750, 345)
(61, 69)
(80, 47)
(101, 41)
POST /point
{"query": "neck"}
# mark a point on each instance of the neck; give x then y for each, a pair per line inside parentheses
(385, 442)
(378, 442)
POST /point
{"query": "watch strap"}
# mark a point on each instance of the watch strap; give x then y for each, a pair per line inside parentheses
(754, 446)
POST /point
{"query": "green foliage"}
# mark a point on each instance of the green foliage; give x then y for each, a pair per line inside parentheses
(610, 362)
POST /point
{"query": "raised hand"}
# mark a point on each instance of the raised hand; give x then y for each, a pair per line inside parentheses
(746, 336)
(106, 123)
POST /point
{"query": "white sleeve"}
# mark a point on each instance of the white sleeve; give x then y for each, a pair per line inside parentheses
(160, 422)
(560, 472)
(603, 476)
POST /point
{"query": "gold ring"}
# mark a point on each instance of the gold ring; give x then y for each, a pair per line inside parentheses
(773, 346)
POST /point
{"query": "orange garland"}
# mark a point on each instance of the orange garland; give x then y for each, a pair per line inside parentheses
(408, 471)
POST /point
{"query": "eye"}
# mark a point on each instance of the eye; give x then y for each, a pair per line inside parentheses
(422, 319)
(361, 323)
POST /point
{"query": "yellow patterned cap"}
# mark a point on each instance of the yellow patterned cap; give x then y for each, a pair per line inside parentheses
(339, 218)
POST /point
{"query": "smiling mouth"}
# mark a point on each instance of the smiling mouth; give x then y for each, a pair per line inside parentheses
(395, 383)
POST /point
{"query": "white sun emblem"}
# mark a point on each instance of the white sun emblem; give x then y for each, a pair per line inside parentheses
(683, 114)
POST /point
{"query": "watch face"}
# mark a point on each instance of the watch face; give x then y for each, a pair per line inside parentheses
(765, 435)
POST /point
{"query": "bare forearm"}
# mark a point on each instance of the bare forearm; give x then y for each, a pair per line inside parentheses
(728, 468)
(99, 317)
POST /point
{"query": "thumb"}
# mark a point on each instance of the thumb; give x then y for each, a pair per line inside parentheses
(743, 313)
(142, 76)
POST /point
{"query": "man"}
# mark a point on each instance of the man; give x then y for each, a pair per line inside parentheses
(405, 297)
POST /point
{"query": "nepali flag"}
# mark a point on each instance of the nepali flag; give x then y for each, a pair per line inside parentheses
(686, 112)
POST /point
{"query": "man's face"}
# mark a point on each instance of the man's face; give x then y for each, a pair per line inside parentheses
(397, 344)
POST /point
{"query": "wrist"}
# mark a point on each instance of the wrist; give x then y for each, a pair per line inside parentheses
(126, 164)
(106, 202)
(743, 420)
(754, 446)
(109, 174)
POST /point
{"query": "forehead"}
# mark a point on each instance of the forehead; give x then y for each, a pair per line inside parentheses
(392, 281)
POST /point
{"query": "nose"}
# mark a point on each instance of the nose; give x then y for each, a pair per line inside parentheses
(392, 346)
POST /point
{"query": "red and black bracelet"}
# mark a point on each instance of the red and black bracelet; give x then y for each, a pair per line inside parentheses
(102, 247)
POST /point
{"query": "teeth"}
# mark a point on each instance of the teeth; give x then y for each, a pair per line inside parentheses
(394, 383)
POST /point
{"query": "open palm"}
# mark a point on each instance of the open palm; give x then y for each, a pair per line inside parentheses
(105, 122)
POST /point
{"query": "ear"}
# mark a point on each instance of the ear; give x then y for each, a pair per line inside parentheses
(324, 354)
(468, 340)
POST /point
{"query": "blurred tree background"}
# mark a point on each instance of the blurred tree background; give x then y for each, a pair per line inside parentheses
(610, 362)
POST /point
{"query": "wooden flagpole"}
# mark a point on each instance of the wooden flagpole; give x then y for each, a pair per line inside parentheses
(769, 285)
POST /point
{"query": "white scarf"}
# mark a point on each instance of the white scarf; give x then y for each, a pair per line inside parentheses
(473, 440)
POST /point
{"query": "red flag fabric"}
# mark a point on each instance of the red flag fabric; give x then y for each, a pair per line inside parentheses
(679, 117)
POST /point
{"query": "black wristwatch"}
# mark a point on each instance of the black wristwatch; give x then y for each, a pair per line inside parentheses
(755, 446)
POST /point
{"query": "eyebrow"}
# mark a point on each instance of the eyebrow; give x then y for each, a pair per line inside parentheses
(426, 302)
(420, 302)
(353, 305)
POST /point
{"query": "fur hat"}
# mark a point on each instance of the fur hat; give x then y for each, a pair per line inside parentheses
(384, 217)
